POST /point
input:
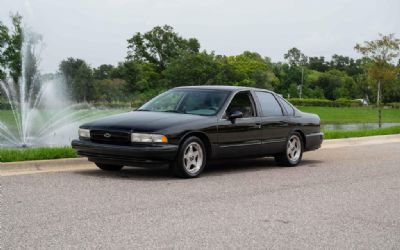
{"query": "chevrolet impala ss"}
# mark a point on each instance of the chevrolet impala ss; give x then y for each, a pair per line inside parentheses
(188, 126)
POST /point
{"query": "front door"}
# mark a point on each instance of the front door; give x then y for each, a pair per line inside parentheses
(241, 136)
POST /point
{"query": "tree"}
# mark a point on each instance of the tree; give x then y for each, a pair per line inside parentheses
(10, 48)
(295, 57)
(293, 91)
(104, 71)
(141, 78)
(382, 53)
(191, 69)
(287, 75)
(334, 84)
(3, 45)
(31, 41)
(78, 76)
(159, 46)
(250, 69)
(109, 90)
(347, 64)
(318, 64)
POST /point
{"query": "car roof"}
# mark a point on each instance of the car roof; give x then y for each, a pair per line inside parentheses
(221, 87)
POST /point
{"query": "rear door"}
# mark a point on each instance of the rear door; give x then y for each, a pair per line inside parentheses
(241, 137)
(274, 124)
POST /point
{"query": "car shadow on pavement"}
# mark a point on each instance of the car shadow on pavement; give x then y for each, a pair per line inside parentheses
(153, 173)
(221, 167)
(239, 165)
(213, 168)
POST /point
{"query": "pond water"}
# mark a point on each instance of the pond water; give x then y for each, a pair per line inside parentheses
(357, 126)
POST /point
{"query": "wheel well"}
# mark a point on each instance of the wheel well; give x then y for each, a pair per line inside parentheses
(303, 137)
(203, 138)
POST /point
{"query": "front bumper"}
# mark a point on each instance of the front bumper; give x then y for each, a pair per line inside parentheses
(125, 155)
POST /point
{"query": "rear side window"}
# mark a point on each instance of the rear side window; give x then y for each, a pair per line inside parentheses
(287, 106)
(269, 105)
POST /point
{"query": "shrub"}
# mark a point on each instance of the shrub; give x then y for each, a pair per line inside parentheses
(113, 105)
(395, 105)
(325, 102)
(5, 106)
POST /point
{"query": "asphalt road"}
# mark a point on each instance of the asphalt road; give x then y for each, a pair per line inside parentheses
(338, 198)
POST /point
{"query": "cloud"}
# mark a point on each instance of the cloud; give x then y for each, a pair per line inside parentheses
(96, 31)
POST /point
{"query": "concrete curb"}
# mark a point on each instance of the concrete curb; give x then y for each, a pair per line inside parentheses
(360, 141)
(73, 164)
(43, 163)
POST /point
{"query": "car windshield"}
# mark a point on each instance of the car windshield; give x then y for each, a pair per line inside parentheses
(195, 102)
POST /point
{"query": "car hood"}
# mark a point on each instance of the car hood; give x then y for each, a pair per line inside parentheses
(142, 121)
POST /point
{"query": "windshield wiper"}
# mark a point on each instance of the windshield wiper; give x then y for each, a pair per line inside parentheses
(172, 111)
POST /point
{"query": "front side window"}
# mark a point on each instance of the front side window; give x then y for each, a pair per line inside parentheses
(269, 105)
(195, 102)
(242, 102)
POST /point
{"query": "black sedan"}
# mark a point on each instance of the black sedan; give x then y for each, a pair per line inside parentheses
(187, 126)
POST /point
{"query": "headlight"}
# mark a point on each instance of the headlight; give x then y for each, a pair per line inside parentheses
(138, 137)
(84, 133)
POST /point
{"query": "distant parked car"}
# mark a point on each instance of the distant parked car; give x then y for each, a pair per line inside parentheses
(187, 126)
(364, 102)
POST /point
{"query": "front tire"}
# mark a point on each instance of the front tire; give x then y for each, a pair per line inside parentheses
(293, 152)
(108, 167)
(191, 158)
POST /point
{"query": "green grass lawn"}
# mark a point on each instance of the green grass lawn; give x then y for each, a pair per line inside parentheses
(6, 116)
(330, 115)
(337, 134)
(29, 154)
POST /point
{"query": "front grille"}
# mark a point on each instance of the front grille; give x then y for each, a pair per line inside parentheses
(110, 137)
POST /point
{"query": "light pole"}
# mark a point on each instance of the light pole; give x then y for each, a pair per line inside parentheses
(302, 81)
(378, 103)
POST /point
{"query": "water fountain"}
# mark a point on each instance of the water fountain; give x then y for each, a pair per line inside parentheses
(40, 113)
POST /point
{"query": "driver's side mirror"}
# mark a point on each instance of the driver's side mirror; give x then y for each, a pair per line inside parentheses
(235, 115)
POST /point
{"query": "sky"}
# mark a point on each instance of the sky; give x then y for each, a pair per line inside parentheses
(97, 30)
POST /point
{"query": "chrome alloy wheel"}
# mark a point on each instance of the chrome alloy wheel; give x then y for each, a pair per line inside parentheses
(193, 158)
(293, 150)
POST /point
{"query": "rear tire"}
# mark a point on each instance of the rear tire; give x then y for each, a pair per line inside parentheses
(108, 167)
(293, 151)
(191, 158)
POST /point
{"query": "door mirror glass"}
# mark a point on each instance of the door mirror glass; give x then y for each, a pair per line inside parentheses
(235, 115)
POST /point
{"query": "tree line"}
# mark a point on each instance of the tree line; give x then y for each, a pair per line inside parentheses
(161, 59)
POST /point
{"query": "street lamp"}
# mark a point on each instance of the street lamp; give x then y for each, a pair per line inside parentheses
(300, 87)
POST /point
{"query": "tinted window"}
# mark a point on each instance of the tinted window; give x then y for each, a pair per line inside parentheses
(196, 102)
(287, 106)
(269, 105)
(241, 102)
